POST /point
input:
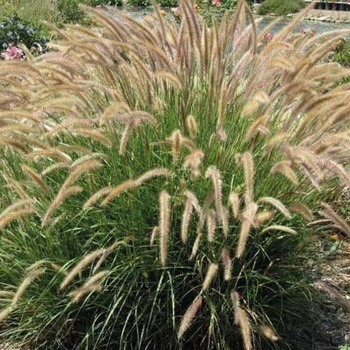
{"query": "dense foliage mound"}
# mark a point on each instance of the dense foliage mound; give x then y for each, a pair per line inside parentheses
(157, 180)
(280, 7)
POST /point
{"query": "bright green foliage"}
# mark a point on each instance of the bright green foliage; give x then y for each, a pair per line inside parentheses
(167, 3)
(342, 54)
(158, 181)
(139, 2)
(69, 11)
(281, 7)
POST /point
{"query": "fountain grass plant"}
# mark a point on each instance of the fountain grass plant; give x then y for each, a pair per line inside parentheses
(158, 180)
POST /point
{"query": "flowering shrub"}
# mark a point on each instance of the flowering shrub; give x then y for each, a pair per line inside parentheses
(281, 7)
(14, 31)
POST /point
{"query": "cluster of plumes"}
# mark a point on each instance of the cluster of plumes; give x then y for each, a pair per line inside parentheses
(292, 106)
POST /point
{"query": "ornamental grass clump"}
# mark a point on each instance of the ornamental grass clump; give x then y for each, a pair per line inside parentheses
(158, 179)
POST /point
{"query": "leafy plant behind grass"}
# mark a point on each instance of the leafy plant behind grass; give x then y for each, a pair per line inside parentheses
(342, 54)
(157, 180)
(101, 2)
(34, 11)
(280, 7)
(14, 31)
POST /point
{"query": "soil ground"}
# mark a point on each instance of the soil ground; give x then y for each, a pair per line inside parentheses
(334, 280)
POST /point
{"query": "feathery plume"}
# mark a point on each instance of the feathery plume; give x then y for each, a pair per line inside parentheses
(54, 166)
(79, 170)
(277, 204)
(195, 246)
(222, 105)
(189, 315)
(43, 262)
(125, 137)
(154, 234)
(227, 262)
(191, 203)
(164, 224)
(152, 173)
(17, 186)
(248, 167)
(186, 217)
(106, 253)
(258, 126)
(6, 293)
(36, 177)
(19, 204)
(54, 153)
(62, 195)
(93, 134)
(211, 273)
(27, 281)
(263, 216)
(93, 284)
(280, 228)
(268, 332)
(169, 77)
(15, 143)
(193, 161)
(131, 183)
(336, 168)
(5, 220)
(175, 139)
(95, 197)
(234, 203)
(225, 221)
(302, 209)
(211, 224)
(243, 237)
(214, 173)
(5, 312)
(89, 258)
(284, 167)
(87, 157)
(242, 320)
(116, 191)
(276, 139)
(16, 210)
(191, 126)
(117, 111)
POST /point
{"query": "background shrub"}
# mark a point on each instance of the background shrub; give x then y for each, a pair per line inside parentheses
(69, 11)
(280, 7)
(139, 2)
(101, 2)
(167, 3)
(342, 54)
(30, 11)
(15, 31)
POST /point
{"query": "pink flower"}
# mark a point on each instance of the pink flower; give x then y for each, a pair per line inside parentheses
(268, 36)
(216, 2)
(12, 53)
(98, 7)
